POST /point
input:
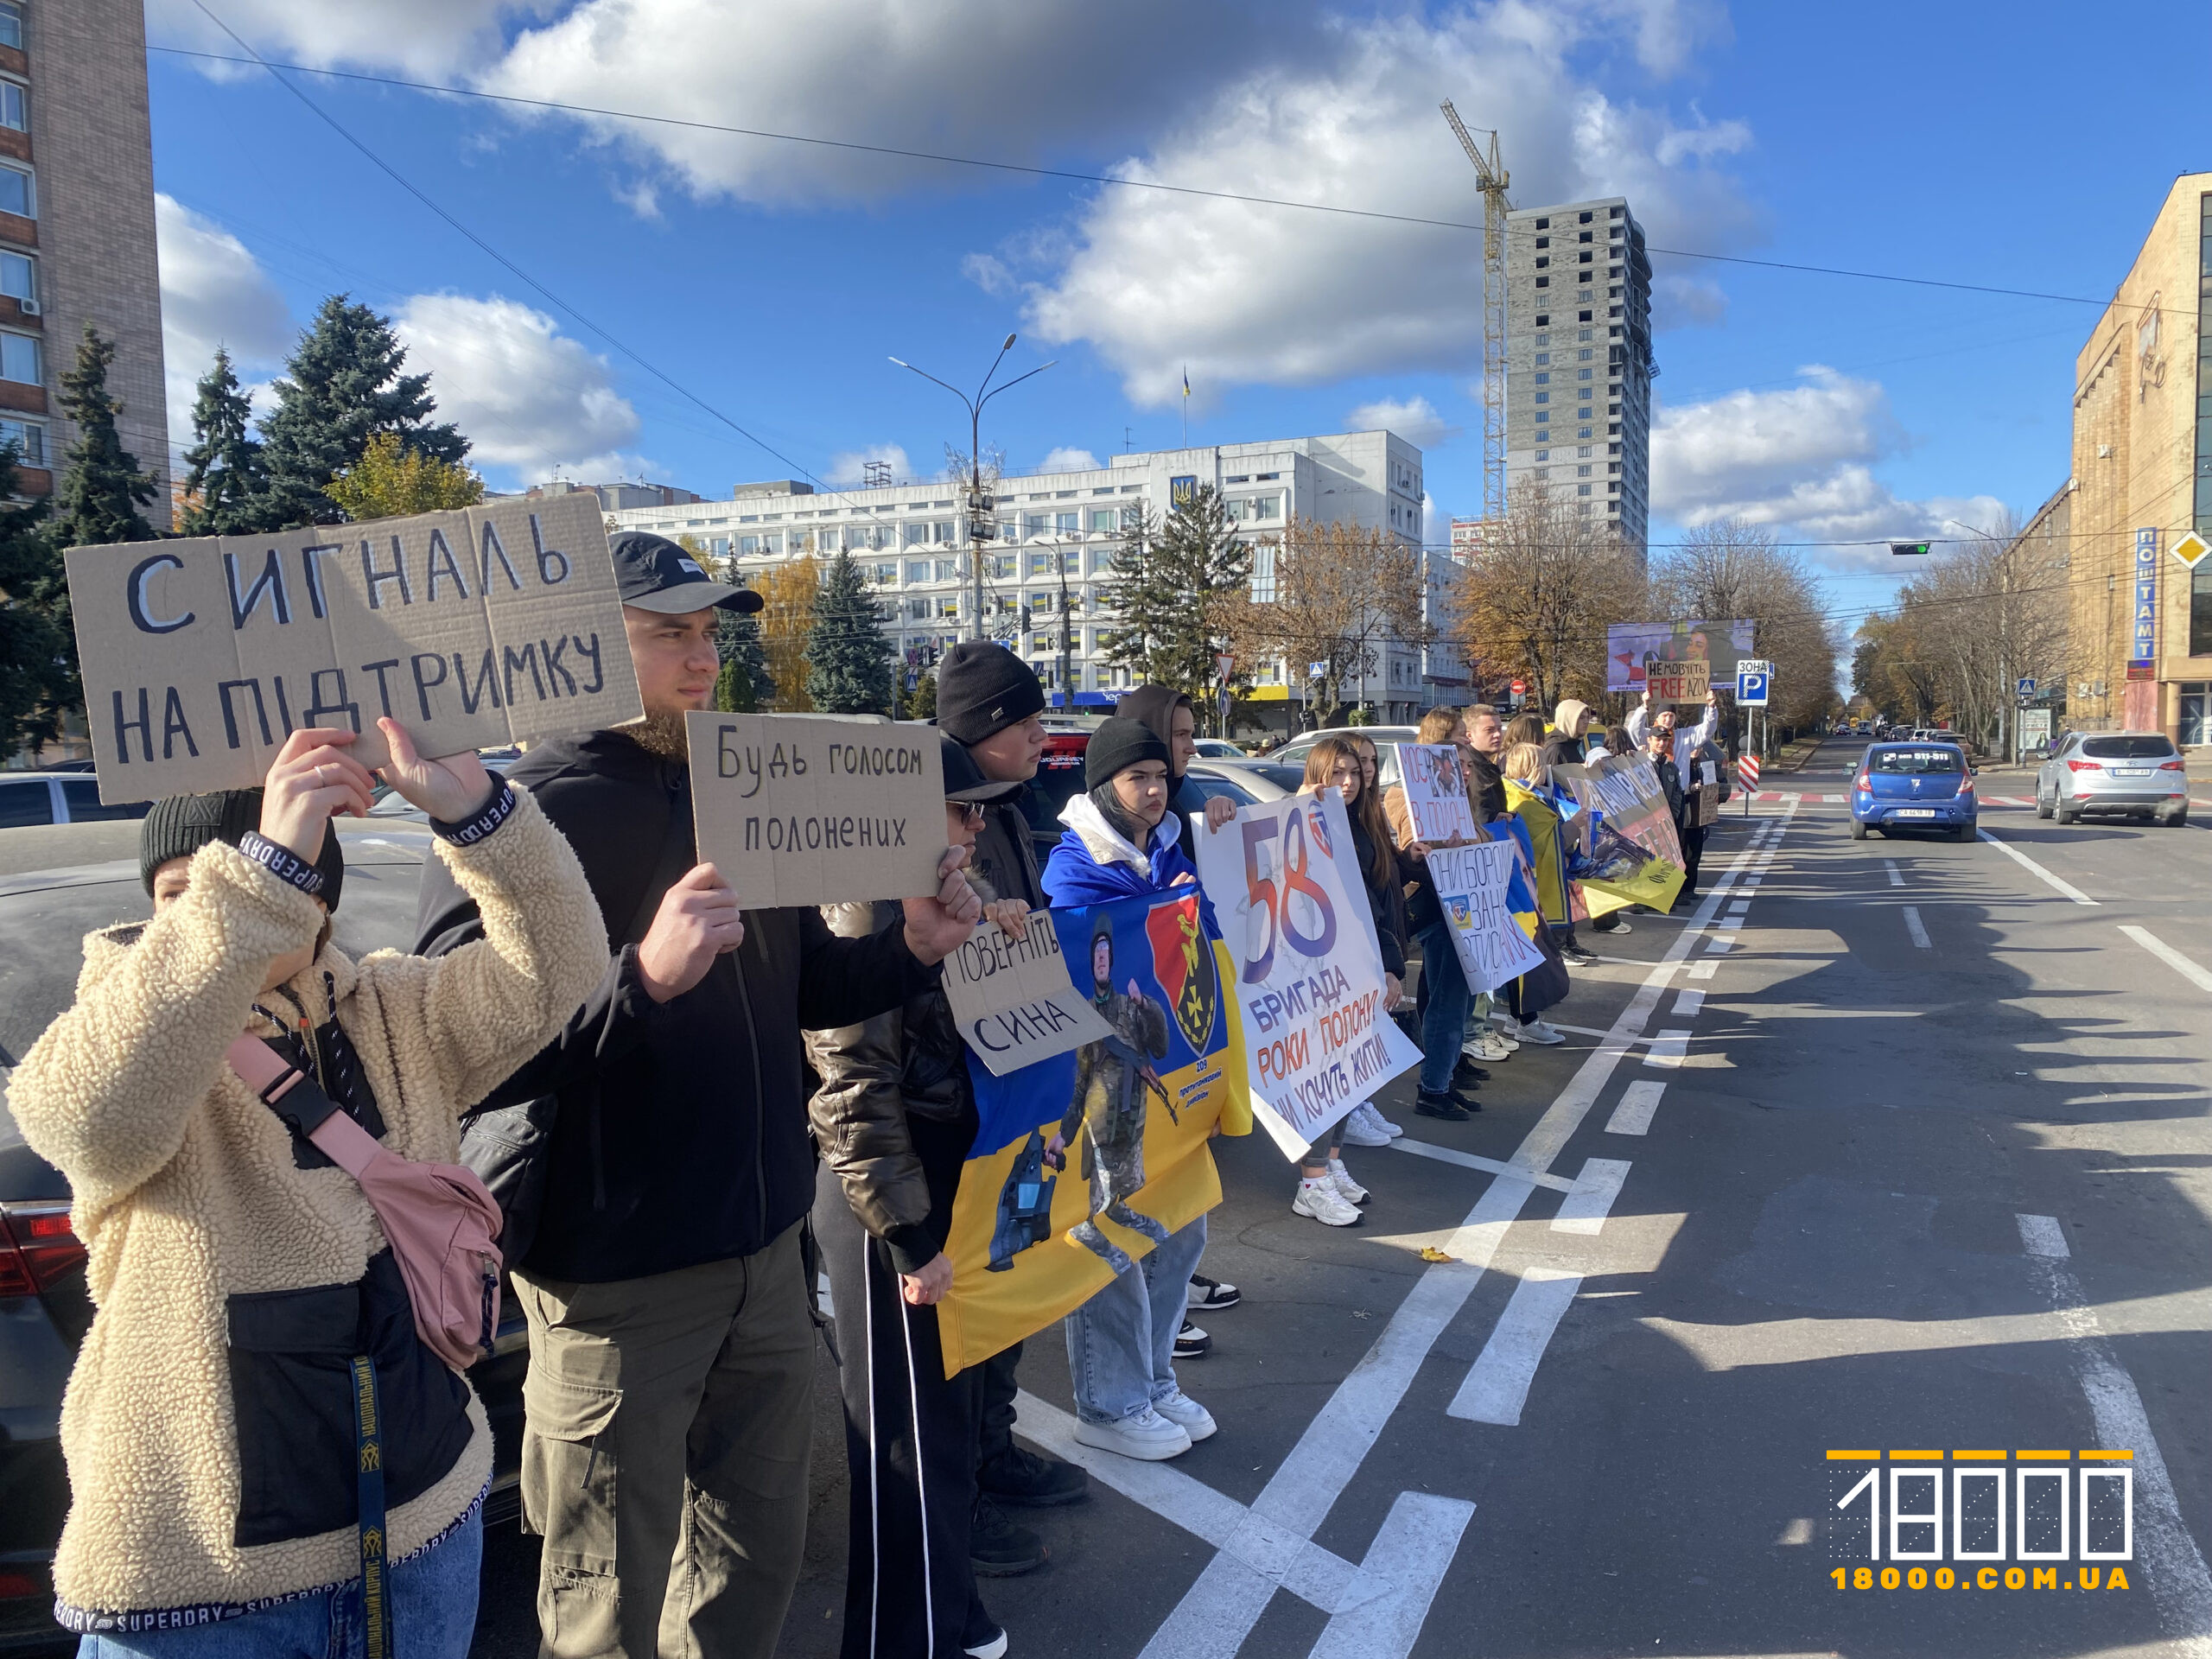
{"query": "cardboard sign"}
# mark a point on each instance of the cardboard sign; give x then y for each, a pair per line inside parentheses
(814, 809)
(1293, 910)
(1436, 792)
(1682, 682)
(472, 629)
(1474, 885)
(1012, 999)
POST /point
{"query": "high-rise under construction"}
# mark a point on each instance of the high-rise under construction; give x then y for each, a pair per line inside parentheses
(1578, 368)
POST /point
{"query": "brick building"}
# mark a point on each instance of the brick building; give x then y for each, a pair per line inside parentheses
(76, 227)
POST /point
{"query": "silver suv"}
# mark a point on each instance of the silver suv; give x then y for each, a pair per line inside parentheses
(2138, 773)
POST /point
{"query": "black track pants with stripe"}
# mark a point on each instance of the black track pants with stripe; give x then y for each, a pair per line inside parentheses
(909, 1440)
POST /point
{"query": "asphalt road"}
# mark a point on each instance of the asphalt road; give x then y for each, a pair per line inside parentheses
(1894, 1146)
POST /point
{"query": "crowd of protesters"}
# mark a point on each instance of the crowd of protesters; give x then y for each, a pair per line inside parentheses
(690, 1113)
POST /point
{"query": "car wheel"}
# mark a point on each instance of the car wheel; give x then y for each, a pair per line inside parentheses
(2042, 807)
(1964, 832)
(2066, 811)
(2175, 820)
(1857, 830)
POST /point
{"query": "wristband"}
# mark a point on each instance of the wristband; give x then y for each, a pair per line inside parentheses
(282, 862)
(495, 812)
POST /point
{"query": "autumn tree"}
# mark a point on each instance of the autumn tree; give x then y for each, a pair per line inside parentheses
(786, 620)
(1169, 587)
(1335, 594)
(391, 480)
(1537, 594)
(1728, 570)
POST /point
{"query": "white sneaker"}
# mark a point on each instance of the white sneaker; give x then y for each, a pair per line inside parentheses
(1374, 1120)
(1320, 1201)
(1347, 1189)
(1503, 1028)
(1485, 1045)
(1188, 1414)
(1537, 1032)
(1144, 1434)
(1357, 1131)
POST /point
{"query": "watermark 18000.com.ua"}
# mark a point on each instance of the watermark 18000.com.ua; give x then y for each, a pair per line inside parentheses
(1927, 1519)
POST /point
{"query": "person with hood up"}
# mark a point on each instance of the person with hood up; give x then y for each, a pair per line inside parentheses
(248, 1306)
(1682, 745)
(895, 1120)
(1121, 1343)
(1169, 715)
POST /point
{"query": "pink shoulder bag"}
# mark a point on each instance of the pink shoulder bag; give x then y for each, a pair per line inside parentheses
(439, 1218)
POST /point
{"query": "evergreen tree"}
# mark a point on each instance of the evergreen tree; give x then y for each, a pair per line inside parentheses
(342, 387)
(102, 488)
(38, 678)
(920, 703)
(743, 687)
(224, 478)
(848, 659)
(1168, 587)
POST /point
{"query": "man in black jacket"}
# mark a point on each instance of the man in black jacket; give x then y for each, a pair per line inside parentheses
(668, 1404)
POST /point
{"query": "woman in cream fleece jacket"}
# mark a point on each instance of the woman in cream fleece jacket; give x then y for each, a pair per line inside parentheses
(209, 1425)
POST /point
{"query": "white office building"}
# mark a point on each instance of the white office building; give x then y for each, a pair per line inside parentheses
(1065, 529)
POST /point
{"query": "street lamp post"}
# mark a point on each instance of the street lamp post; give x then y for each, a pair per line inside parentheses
(980, 521)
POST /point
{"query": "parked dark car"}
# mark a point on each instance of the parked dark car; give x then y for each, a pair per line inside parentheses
(56, 887)
(58, 796)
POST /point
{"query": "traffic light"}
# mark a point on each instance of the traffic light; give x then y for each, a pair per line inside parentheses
(1908, 547)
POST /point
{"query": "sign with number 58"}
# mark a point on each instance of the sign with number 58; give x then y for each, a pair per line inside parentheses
(1309, 985)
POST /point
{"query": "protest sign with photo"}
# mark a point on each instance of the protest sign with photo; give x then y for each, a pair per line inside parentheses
(816, 809)
(1036, 1232)
(1632, 648)
(1634, 856)
(1475, 887)
(1308, 969)
(200, 656)
(1436, 792)
(1012, 999)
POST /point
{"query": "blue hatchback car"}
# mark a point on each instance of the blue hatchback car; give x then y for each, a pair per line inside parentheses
(1913, 786)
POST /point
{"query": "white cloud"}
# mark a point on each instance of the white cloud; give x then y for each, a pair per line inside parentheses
(1801, 458)
(1414, 419)
(1068, 460)
(1246, 293)
(846, 466)
(528, 398)
(433, 39)
(1680, 301)
(213, 293)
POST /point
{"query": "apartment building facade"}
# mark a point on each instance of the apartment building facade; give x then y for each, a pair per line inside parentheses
(1062, 531)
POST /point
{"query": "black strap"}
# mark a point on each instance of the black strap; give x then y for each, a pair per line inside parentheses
(676, 856)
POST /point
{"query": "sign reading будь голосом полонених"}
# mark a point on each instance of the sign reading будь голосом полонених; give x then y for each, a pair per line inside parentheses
(201, 656)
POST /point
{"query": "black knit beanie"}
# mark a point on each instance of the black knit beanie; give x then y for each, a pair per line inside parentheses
(1117, 745)
(182, 825)
(983, 687)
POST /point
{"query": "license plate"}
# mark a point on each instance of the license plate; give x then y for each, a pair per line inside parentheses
(1917, 813)
(2130, 771)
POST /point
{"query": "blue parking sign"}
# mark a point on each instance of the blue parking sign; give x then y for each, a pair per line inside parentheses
(1751, 687)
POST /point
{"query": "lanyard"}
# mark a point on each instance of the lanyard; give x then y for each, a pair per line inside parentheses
(368, 1439)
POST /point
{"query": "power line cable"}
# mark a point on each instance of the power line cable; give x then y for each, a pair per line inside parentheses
(407, 185)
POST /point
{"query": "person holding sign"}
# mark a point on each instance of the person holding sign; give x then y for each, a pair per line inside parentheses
(1682, 748)
(895, 1118)
(247, 1302)
(1121, 1342)
(662, 1138)
(1445, 993)
(1365, 1126)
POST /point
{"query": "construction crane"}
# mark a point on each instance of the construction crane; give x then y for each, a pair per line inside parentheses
(1491, 171)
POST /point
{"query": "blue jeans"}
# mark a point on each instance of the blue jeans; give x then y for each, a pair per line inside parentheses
(1121, 1342)
(1444, 1020)
(433, 1617)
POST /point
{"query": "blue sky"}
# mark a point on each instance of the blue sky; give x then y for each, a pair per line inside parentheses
(1971, 144)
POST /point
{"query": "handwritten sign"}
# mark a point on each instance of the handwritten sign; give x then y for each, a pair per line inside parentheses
(1012, 999)
(1683, 682)
(1474, 885)
(1436, 792)
(816, 809)
(1309, 980)
(201, 656)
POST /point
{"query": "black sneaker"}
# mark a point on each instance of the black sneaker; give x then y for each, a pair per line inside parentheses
(1466, 1070)
(1021, 1477)
(1210, 1295)
(1442, 1106)
(1190, 1343)
(1000, 1546)
(1576, 956)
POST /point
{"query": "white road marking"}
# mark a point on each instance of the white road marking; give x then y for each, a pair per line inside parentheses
(1896, 876)
(1702, 970)
(2065, 888)
(1667, 1048)
(2196, 975)
(1381, 1612)
(1720, 945)
(1498, 1387)
(1831, 799)
(1468, 1161)
(1586, 1207)
(1687, 1004)
(1217, 1614)
(2043, 1235)
(2174, 1567)
(1633, 1116)
(1912, 926)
